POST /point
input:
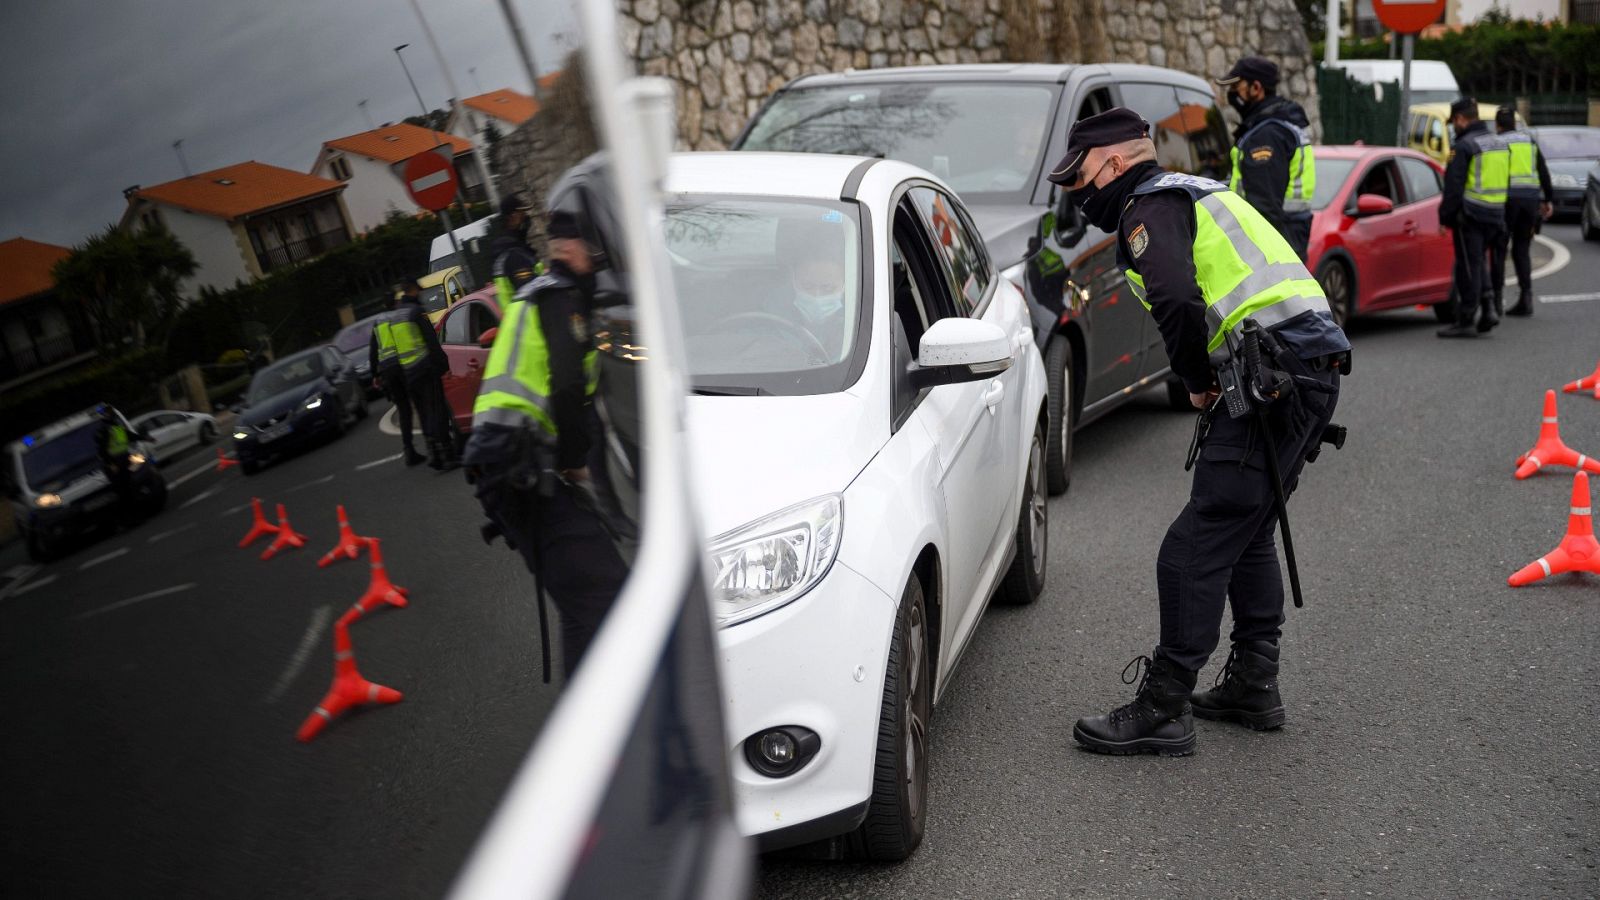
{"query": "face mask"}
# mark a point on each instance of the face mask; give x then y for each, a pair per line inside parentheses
(1239, 103)
(1099, 204)
(816, 307)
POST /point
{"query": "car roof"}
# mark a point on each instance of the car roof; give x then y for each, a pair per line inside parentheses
(1486, 111)
(1363, 151)
(818, 176)
(1035, 72)
(53, 430)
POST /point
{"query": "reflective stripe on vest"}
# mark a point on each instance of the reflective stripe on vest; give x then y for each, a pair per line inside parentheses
(1302, 167)
(1522, 176)
(516, 378)
(407, 337)
(387, 350)
(1490, 171)
(1243, 266)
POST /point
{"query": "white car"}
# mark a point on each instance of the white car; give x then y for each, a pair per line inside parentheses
(172, 430)
(867, 431)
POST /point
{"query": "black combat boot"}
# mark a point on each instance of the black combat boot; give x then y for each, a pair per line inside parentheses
(1157, 721)
(1246, 689)
(413, 458)
(1524, 305)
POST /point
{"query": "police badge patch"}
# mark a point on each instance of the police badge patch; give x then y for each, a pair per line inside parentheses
(1261, 154)
(580, 328)
(1138, 239)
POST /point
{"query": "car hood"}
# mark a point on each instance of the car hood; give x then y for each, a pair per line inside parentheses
(1006, 229)
(283, 402)
(1577, 168)
(752, 456)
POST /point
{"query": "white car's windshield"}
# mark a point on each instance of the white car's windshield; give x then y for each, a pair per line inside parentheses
(770, 290)
(979, 138)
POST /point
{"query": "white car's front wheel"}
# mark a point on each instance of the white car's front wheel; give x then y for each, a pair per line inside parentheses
(1025, 579)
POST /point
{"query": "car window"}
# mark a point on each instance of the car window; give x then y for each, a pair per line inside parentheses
(1158, 104)
(457, 325)
(483, 318)
(1206, 134)
(62, 459)
(960, 250)
(1381, 179)
(1331, 174)
(284, 375)
(1419, 128)
(1422, 180)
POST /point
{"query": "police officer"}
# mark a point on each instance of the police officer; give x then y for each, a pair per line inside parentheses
(383, 354)
(1202, 260)
(534, 450)
(1474, 205)
(515, 263)
(113, 445)
(1528, 200)
(1273, 165)
(422, 365)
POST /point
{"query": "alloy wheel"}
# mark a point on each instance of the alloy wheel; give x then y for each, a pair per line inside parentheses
(1037, 525)
(916, 733)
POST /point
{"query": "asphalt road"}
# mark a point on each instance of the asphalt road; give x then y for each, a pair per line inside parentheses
(1440, 743)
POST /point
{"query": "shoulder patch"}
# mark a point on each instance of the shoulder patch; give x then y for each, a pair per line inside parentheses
(1138, 240)
(1261, 154)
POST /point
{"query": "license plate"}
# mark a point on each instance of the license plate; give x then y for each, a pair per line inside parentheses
(99, 502)
(275, 432)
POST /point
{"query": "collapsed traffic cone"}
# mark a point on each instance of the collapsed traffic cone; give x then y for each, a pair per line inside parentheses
(1587, 383)
(223, 462)
(1550, 451)
(260, 526)
(1578, 551)
(287, 536)
(349, 689)
(349, 546)
(380, 589)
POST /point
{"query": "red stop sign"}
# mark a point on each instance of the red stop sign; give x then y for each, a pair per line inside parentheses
(430, 180)
(1408, 16)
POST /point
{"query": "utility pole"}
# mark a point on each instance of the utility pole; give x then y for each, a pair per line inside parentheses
(517, 38)
(444, 214)
(366, 114)
(455, 105)
(1331, 33)
(177, 146)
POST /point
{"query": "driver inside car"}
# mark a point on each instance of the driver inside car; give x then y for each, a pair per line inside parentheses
(815, 248)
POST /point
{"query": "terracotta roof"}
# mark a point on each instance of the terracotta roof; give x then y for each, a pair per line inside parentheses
(393, 143)
(25, 268)
(505, 104)
(238, 190)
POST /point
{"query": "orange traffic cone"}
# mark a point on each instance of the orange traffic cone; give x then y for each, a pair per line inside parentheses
(258, 528)
(287, 536)
(1588, 382)
(349, 546)
(349, 689)
(1578, 551)
(223, 462)
(380, 589)
(1550, 451)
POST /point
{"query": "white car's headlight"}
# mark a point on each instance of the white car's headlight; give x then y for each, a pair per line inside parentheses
(46, 501)
(314, 402)
(774, 560)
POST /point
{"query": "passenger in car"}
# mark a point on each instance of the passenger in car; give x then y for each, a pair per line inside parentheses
(816, 273)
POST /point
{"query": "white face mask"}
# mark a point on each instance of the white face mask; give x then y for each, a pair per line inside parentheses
(816, 307)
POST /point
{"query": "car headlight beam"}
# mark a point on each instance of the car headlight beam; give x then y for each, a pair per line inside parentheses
(47, 501)
(240, 436)
(314, 402)
(135, 460)
(774, 560)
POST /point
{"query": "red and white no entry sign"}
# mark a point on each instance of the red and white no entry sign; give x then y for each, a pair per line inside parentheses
(1408, 16)
(430, 180)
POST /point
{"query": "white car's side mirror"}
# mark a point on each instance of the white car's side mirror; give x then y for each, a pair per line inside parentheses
(956, 350)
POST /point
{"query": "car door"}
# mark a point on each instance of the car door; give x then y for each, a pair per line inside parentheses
(163, 434)
(459, 332)
(1381, 242)
(1434, 249)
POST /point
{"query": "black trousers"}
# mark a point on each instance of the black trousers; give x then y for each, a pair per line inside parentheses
(428, 394)
(1297, 231)
(568, 550)
(394, 386)
(1472, 241)
(1221, 548)
(1522, 218)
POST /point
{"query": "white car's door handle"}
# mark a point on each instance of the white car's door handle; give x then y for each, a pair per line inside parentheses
(991, 397)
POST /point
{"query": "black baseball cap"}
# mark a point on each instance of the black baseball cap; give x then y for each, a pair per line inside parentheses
(1114, 126)
(511, 203)
(1252, 68)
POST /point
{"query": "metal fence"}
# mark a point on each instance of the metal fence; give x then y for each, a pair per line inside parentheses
(1547, 109)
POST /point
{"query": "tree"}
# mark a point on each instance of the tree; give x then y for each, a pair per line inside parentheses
(126, 282)
(434, 120)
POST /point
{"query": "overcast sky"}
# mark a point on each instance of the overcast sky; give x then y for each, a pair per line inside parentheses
(96, 92)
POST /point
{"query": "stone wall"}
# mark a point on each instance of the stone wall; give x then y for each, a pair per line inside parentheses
(726, 56)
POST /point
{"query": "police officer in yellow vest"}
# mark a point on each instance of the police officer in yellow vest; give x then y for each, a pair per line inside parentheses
(1474, 205)
(405, 353)
(1529, 199)
(515, 264)
(114, 446)
(1273, 165)
(535, 449)
(1202, 260)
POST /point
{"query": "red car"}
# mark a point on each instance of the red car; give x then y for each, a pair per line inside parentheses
(466, 332)
(1375, 237)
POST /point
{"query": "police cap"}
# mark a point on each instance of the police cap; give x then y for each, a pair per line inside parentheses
(1114, 126)
(1252, 68)
(511, 203)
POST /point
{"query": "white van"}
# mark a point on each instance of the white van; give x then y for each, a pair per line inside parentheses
(442, 255)
(1431, 80)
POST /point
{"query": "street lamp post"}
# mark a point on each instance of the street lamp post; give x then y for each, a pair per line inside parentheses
(412, 81)
(444, 214)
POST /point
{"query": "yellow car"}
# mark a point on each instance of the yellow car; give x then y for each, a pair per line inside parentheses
(1428, 129)
(440, 291)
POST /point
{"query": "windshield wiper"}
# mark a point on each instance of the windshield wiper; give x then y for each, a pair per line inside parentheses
(724, 390)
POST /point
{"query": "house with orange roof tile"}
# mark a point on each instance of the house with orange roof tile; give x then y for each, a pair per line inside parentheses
(38, 333)
(505, 108)
(245, 220)
(368, 165)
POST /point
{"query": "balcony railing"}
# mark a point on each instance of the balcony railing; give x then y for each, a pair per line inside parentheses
(300, 251)
(36, 354)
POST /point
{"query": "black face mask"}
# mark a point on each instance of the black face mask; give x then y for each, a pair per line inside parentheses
(1240, 104)
(1099, 204)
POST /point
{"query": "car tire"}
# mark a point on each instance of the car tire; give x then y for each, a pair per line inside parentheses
(1025, 579)
(897, 812)
(1586, 223)
(1339, 287)
(208, 433)
(1445, 310)
(1058, 364)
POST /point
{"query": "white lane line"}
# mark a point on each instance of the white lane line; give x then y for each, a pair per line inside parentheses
(379, 462)
(198, 497)
(233, 509)
(100, 559)
(1570, 298)
(19, 570)
(20, 574)
(169, 532)
(34, 585)
(388, 424)
(323, 480)
(302, 653)
(142, 597)
(1559, 257)
(184, 478)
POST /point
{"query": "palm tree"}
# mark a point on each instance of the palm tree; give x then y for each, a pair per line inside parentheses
(127, 282)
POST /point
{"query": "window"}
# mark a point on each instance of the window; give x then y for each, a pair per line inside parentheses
(467, 323)
(151, 218)
(960, 249)
(917, 276)
(1382, 180)
(1097, 102)
(1422, 180)
(1206, 135)
(1331, 174)
(340, 167)
(1158, 103)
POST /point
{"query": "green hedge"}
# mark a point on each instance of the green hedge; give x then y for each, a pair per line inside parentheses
(128, 382)
(1506, 58)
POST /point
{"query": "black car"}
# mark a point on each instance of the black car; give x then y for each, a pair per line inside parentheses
(306, 397)
(1570, 151)
(991, 132)
(352, 342)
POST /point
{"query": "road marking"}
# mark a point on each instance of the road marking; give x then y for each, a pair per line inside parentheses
(387, 424)
(379, 462)
(169, 532)
(297, 662)
(19, 574)
(182, 479)
(1559, 257)
(198, 497)
(233, 509)
(48, 579)
(1570, 298)
(323, 480)
(100, 559)
(20, 570)
(131, 600)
